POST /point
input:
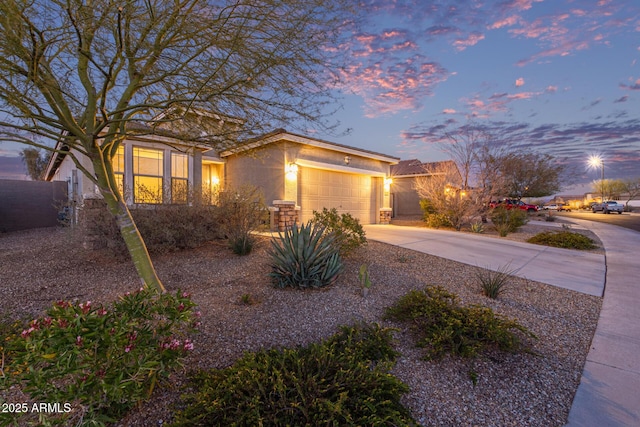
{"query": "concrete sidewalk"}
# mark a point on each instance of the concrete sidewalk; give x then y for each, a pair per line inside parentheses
(609, 391)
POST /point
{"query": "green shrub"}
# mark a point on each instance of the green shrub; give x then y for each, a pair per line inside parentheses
(442, 326)
(493, 283)
(242, 212)
(343, 381)
(508, 220)
(432, 218)
(101, 360)
(563, 239)
(305, 258)
(164, 228)
(349, 232)
(477, 227)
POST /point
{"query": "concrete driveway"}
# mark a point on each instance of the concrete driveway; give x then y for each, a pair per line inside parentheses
(570, 269)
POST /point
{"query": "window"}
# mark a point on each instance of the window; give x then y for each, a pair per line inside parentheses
(147, 175)
(118, 169)
(179, 178)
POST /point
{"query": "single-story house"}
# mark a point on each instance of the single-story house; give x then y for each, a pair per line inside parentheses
(297, 174)
(405, 200)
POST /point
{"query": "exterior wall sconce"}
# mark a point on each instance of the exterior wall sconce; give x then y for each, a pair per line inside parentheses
(215, 180)
(387, 184)
(347, 160)
(291, 171)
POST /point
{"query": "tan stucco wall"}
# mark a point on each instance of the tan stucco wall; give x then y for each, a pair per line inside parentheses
(64, 173)
(317, 154)
(405, 198)
(262, 168)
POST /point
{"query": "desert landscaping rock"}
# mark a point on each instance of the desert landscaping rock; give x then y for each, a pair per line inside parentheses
(39, 267)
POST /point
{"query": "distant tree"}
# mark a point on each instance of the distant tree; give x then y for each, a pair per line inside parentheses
(631, 188)
(81, 72)
(528, 174)
(35, 161)
(610, 188)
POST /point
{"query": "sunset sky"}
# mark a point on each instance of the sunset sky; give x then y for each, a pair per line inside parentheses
(562, 76)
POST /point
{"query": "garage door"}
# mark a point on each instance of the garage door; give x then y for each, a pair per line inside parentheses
(347, 192)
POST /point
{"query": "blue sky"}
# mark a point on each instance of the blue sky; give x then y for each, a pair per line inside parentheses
(562, 75)
(565, 74)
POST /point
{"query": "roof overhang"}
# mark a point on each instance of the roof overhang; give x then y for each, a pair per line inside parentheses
(277, 136)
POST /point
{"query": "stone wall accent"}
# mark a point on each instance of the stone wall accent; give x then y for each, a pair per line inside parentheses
(285, 214)
(385, 215)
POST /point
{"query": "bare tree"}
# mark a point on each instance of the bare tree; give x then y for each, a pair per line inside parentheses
(443, 190)
(83, 72)
(464, 145)
(631, 188)
(35, 162)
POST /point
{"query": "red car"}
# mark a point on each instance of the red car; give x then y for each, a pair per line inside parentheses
(514, 204)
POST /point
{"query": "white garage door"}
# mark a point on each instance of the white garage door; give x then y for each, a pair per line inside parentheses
(347, 192)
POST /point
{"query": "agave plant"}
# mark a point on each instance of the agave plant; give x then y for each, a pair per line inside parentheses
(305, 258)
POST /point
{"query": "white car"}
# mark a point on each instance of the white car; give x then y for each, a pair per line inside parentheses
(556, 207)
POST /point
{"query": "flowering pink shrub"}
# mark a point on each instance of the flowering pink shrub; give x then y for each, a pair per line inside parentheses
(102, 360)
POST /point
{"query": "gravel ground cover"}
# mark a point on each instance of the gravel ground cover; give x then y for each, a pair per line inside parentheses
(39, 267)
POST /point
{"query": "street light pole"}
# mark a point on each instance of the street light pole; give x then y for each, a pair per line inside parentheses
(595, 161)
(602, 179)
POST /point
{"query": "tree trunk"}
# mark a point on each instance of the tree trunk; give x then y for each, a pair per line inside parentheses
(118, 208)
(133, 240)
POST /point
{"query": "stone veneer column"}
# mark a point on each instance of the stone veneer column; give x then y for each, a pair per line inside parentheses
(285, 214)
(385, 215)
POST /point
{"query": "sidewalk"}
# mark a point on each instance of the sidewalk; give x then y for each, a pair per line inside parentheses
(609, 391)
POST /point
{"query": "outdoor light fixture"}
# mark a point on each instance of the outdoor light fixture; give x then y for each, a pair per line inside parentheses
(387, 184)
(347, 160)
(594, 162)
(291, 171)
(215, 180)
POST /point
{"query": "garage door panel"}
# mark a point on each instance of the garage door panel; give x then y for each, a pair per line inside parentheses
(346, 192)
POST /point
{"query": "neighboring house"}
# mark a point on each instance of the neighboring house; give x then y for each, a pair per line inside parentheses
(295, 173)
(405, 198)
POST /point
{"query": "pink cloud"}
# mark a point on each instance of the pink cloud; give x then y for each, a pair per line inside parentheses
(519, 82)
(448, 111)
(551, 89)
(388, 86)
(506, 22)
(474, 38)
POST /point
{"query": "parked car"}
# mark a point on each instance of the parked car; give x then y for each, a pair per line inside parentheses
(607, 207)
(557, 207)
(514, 204)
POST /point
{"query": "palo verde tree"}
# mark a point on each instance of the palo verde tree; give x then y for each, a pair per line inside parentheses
(90, 73)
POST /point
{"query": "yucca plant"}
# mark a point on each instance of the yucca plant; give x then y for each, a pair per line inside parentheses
(493, 283)
(305, 258)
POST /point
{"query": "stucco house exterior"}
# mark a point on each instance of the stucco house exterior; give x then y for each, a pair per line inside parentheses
(297, 174)
(405, 200)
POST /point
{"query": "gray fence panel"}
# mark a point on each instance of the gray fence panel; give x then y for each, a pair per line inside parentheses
(30, 204)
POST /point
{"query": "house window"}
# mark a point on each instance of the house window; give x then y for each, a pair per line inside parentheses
(147, 175)
(118, 169)
(179, 178)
